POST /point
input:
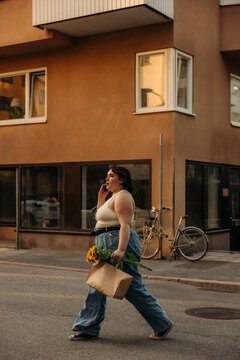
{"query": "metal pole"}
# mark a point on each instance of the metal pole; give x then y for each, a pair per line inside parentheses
(17, 209)
(161, 187)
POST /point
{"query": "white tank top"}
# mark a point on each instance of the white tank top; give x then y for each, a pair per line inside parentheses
(105, 216)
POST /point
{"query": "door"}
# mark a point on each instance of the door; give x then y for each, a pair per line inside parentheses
(235, 219)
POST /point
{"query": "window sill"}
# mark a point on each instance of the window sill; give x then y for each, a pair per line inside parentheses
(235, 124)
(23, 121)
(138, 112)
(63, 232)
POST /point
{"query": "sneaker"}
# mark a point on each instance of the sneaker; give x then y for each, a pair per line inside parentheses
(161, 335)
(82, 336)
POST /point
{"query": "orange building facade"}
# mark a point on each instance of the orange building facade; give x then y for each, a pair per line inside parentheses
(86, 84)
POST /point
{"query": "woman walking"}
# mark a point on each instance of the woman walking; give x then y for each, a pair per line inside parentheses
(113, 230)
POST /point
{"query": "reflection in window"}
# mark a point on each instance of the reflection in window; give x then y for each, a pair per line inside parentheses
(213, 189)
(37, 94)
(203, 195)
(194, 194)
(92, 178)
(182, 82)
(152, 80)
(41, 197)
(7, 195)
(12, 97)
(235, 100)
(234, 176)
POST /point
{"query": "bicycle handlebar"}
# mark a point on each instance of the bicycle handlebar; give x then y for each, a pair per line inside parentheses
(158, 210)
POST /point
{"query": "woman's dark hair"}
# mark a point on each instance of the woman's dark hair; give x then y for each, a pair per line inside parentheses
(124, 174)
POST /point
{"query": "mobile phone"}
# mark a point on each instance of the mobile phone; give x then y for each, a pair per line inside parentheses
(105, 187)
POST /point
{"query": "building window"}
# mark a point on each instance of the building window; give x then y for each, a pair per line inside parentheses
(203, 195)
(23, 97)
(8, 196)
(41, 197)
(151, 81)
(163, 81)
(183, 82)
(235, 100)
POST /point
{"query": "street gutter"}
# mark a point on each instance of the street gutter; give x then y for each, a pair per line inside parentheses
(209, 284)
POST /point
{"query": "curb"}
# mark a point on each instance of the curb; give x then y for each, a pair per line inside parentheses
(209, 284)
(40, 266)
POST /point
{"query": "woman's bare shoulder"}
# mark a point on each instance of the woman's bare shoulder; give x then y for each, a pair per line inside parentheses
(124, 196)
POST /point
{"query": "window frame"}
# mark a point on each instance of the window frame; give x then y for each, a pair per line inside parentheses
(27, 119)
(233, 77)
(170, 81)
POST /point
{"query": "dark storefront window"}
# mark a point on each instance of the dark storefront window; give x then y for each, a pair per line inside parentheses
(203, 195)
(194, 194)
(7, 196)
(64, 197)
(41, 197)
(234, 176)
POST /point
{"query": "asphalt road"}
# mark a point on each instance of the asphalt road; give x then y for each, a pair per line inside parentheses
(38, 307)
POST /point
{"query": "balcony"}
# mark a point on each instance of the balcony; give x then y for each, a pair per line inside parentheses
(229, 2)
(77, 18)
(230, 28)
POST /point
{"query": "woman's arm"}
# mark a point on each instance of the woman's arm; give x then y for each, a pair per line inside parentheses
(124, 208)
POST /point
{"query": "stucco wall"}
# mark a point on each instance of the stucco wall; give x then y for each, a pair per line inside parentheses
(90, 107)
(208, 135)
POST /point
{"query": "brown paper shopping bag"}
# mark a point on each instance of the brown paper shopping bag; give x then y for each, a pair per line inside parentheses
(109, 280)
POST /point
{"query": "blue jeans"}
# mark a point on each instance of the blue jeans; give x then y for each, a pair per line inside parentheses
(93, 312)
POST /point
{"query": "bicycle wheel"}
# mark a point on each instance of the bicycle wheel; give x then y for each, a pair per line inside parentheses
(149, 242)
(192, 243)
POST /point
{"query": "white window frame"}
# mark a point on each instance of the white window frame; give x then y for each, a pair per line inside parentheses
(27, 119)
(170, 81)
(189, 108)
(167, 63)
(233, 77)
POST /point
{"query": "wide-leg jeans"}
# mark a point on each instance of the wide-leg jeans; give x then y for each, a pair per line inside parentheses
(93, 312)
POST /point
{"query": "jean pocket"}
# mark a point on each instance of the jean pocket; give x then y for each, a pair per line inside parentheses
(112, 239)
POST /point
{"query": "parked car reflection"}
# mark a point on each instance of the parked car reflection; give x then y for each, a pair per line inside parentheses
(45, 213)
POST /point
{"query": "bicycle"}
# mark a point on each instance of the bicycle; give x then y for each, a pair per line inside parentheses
(191, 242)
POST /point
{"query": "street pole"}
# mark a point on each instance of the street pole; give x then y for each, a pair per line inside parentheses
(17, 210)
(161, 187)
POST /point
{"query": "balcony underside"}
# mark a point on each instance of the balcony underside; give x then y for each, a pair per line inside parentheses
(230, 29)
(108, 21)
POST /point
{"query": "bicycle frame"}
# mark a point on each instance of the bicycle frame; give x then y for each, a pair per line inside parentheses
(156, 226)
(190, 241)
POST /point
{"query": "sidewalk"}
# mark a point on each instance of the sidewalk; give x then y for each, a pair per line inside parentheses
(217, 270)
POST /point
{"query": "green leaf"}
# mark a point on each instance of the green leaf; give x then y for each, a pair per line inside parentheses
(120, 265)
